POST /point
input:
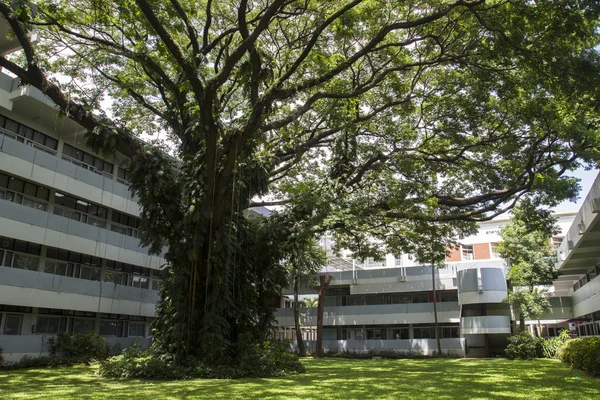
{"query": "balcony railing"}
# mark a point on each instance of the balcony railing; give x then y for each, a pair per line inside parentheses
(86, 166)
(28, 142)
(80, 216)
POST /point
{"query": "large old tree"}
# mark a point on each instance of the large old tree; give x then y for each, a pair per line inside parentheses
(365, 114)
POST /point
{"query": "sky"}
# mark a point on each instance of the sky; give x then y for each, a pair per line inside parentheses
(587, 178)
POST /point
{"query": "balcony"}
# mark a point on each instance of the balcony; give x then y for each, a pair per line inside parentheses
(421, 346)
(485, 324)
(71, 177)
(414, 313)
(481, 285)
(586, 299)
(38, 226)
(38, 289)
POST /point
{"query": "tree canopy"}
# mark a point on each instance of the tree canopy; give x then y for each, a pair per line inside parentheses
(368, 118)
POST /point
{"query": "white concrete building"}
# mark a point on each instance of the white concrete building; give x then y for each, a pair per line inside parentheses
(389, 305)
(70, 259)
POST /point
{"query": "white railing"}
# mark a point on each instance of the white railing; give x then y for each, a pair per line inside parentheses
(22, 199)
(86, 166)
(79, 216)
(28, 142)
(123, 229)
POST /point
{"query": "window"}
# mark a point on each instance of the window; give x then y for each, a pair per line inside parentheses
(24, 261)
(448, 332)
(25, 193)
(424, 332)
(87, 161)
(494, 250)
(156, 284)
(556, 241)
(90, 273)
(376, 334)
(400, 333)
(448, 296)
(82, 325)
(12, 324)
(111, 328)
(139, 282)
(137, 329)
(124, 224)
(50, 325)
(80, 210)
(29, 136)
(467, 252)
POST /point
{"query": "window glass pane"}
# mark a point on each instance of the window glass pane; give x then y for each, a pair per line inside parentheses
(16, 185)
(11, 126)
(51, 142)
(39, 137)
(88, 159)
(47, 325)
(12, 324)
(108, 167)
(8, 259)
(43, 193)
(83, 325)
(68, 150)
(3, 180)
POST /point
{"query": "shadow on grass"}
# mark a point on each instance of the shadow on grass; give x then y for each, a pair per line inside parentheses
(327, 379)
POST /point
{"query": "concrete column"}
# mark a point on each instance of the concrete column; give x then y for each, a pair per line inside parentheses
(42, 262)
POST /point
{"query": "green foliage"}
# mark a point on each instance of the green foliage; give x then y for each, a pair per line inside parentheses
(37, 362)
(1, 356)
(583, 353)
(80, 348)
(529, 304)
(553, 347)
(523, 346)
(267, 359)
(386, 354)
(367, 119)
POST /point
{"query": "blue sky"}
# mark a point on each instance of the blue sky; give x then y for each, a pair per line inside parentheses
(587, 179)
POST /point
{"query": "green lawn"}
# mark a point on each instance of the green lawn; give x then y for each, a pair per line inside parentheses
(327, 379)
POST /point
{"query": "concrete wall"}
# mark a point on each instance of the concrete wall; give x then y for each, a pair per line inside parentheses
(38, 289)
(421, 346)
(585, 299)
(491, 281)
(25, 223)
(52, 171)
(414, 313)
(485, 324)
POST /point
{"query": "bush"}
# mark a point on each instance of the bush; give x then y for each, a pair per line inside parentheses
(552, 347)
(81, 348)
(1, 356)
(523, 346)
(260, 360)
(583, 354)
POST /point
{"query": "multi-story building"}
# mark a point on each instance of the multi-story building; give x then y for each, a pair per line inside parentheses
(69, 253)
(388, 305)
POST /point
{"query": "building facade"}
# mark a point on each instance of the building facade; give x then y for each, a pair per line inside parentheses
(388, 305)
(70, 259)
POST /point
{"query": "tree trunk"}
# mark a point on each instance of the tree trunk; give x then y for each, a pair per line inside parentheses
(521, 323)
(435, 316)
(324, 281)
(301, 348)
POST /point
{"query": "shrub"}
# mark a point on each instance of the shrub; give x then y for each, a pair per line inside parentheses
(1, 356)
(523, 346)
(259, 360)
(583, 354)
(81, 348)
(553, 347)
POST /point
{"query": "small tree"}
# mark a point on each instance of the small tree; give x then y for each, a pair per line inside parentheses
(311, 302)
(306, 259)
(431, 246)
(528, 251)
(324, 281)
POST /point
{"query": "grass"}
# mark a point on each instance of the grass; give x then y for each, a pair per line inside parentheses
(326, 379)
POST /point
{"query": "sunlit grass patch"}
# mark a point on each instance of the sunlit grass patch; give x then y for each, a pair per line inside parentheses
(326, 379)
